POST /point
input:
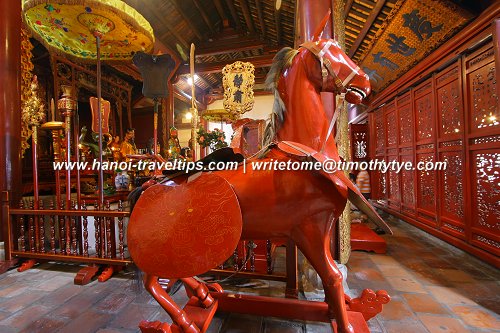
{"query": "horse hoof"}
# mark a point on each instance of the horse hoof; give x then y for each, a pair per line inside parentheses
(154, 327)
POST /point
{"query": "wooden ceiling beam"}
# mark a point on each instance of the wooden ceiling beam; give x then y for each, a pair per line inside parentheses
(277, 26)
(233, 12)
(210, 86)
(216, 67)
(260, 14)
(220, 9)
(186, 18)
(246, 14)
(369, 22)
(230, 46)
(200, 78)
(204, 16)
(166, 24)
(347, 8)
(184, 96)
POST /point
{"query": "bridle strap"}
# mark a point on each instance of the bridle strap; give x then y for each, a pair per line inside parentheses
(326, 68)
(348, 79)
(326, 65)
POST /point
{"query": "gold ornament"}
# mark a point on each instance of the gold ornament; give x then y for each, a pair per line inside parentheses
(26, 76)
(238, 84)
(33, 109)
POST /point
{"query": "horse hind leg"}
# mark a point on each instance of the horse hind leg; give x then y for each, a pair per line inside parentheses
(199, 290)
(179, 316)
(313, 239)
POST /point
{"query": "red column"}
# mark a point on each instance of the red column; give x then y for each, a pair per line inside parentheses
(10, 99)
(308, 14)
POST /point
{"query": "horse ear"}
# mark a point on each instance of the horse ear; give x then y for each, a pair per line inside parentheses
(319, 30)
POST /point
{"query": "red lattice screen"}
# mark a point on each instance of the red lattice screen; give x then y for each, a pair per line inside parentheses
(452, 117)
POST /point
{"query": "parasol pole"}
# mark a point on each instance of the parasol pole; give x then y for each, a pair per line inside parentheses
(99, 122)
(155, 126)
(194, 110)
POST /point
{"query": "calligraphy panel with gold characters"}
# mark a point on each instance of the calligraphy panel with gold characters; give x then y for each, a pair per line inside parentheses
(412, 30)
(238, 81)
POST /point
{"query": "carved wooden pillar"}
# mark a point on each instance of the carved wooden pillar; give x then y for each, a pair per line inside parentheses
(10, 98)
(343, 138)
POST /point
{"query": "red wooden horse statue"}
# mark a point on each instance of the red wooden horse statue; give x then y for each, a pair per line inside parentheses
(189, 224)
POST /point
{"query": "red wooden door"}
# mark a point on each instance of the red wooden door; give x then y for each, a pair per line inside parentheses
(450, 122)
(425, 136)
(483, 148)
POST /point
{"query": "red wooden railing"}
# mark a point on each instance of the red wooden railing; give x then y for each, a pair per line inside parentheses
(67, 236)
(61, 234)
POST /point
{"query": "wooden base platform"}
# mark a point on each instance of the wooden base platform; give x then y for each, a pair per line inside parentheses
(200, 316)
(365, 239)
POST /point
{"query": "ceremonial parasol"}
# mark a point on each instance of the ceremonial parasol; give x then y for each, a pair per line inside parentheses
(67, 27)
(219, 115)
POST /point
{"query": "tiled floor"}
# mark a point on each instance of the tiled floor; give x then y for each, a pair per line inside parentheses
(434, 288)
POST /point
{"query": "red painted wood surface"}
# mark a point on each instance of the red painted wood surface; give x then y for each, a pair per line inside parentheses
(453, 116)
(364, 238)
(275, 195)
(10, 104)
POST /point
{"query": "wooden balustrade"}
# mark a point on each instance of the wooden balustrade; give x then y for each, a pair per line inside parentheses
(63, 235)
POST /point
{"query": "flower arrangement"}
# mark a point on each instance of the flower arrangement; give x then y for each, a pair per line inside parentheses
(213, 139)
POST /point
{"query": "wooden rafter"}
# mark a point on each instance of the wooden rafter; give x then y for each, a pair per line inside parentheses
(373, 16)
(233, 12)
(230, 46)
(215, 67)
(204, 15)
(166, 24)
(260, 14)
(277, 25)
(347, 8)
(246, 14)
(189, 22)
(200, 78)
(185, 96)
(220, 9)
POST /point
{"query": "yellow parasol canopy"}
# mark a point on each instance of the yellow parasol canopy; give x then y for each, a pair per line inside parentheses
(70, 27)
(219, 115)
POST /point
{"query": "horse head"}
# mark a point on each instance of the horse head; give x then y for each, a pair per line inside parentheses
(318, 65)
(338, 73)
(333, 71)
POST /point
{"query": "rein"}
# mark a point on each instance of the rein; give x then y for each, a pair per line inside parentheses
(326, 69)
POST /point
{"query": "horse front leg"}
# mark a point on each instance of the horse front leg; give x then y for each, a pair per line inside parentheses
(179, 316)
(313, 239)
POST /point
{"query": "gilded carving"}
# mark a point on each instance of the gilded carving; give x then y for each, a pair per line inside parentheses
(238, 80)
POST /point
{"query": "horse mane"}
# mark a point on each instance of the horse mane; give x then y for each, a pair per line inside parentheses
(282, 60)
